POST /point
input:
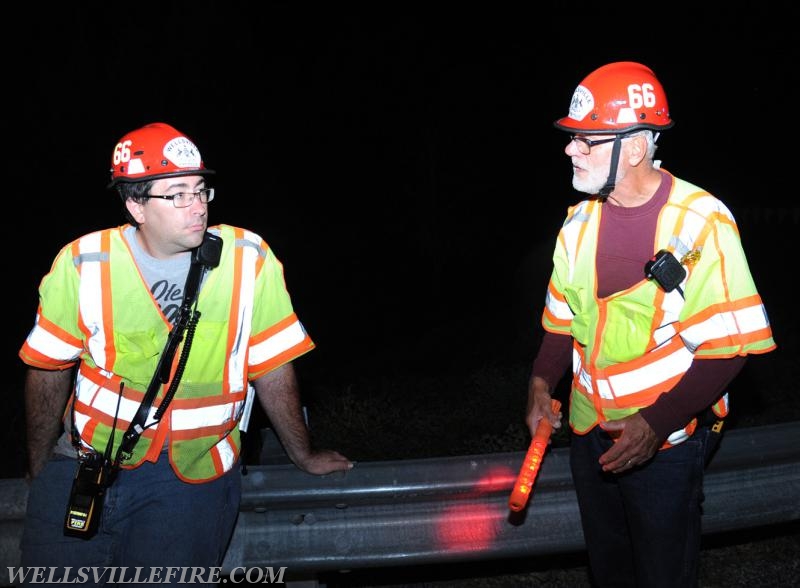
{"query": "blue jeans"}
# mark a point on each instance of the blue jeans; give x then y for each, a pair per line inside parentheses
(642, 528)
(150, 519)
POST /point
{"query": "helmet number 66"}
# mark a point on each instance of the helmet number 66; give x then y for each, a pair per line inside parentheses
(122, 152)
(641, 95)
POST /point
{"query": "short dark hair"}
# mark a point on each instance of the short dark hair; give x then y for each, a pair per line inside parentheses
(136, 191)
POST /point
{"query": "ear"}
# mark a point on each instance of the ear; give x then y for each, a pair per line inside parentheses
(136, 210)
(637, 149)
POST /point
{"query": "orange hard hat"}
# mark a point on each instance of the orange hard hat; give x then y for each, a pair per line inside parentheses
(619, 97)
(155, 151)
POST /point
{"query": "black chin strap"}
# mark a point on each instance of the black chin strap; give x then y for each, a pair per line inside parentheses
(611, 182)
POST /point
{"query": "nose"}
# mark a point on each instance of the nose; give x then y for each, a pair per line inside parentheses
(197, 207)
(571, 148)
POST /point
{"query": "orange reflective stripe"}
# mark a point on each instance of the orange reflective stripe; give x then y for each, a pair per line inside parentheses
(557, 314)
(624, 386)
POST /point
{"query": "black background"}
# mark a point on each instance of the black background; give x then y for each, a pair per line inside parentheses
(401, 162)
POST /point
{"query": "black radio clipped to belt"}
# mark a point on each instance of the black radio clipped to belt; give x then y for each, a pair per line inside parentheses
(95, 474)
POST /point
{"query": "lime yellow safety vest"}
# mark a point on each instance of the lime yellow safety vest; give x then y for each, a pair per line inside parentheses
(634, 345)
(96, 309)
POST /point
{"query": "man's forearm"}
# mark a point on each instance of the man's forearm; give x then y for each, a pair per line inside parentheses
(279, 395)
(46, 394)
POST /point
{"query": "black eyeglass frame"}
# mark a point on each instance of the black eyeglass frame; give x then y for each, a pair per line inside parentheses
(594, 142)
(591, 142)
(209, 196)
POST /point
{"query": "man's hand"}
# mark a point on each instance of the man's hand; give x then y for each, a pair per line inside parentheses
(324, 461)
(540, 405)
(636, 443)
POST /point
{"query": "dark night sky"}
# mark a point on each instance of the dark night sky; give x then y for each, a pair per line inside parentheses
(402, 164)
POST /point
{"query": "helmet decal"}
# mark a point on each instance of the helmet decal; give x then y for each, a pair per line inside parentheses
(626, 116)
(582, 103)
(135, 166)
(182, 153)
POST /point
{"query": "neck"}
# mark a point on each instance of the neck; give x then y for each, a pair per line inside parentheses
(154, 247)
(635, 190)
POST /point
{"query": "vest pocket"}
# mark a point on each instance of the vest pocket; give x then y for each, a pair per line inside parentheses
(627, 330)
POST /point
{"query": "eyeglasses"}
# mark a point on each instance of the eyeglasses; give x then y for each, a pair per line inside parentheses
(585, 145)
(184, 199)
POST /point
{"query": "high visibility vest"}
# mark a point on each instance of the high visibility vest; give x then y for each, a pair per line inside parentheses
(634, 345)
(96, 309)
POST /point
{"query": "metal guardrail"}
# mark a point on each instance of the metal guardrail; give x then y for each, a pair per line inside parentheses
(455, 509)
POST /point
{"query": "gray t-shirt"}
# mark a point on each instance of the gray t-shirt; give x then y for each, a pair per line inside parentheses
(165, 278)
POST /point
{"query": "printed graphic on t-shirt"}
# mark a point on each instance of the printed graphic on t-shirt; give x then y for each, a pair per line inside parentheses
(168, 295)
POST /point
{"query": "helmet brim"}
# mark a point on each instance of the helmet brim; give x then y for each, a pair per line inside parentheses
(570, 125)
(188, 172)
